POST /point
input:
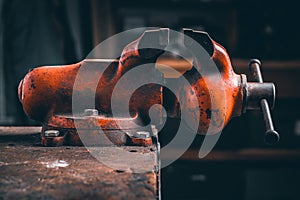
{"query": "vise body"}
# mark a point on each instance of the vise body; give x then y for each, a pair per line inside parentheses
(46, 92)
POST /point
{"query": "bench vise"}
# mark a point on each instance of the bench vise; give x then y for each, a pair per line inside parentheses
(46, 93)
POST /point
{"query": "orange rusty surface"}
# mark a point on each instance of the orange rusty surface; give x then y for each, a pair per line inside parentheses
(141, 141)
(53, 141)
(231, 83)
(92, 122)
(46, 92)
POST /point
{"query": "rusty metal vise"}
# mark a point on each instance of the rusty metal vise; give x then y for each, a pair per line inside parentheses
(46, 93)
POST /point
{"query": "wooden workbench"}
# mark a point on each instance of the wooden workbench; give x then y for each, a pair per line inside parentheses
(31, 171)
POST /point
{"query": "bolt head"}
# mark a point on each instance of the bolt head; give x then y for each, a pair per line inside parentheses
(51, 133)
(90, 112)
(142, 134)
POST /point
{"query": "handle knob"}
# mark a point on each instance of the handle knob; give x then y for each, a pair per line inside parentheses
(271, 136)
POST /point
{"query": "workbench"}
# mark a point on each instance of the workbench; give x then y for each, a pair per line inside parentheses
(31, 171)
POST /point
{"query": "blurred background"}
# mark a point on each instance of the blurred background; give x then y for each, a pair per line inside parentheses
(52, 32)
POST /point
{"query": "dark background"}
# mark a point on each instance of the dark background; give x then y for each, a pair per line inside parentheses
(51, 32)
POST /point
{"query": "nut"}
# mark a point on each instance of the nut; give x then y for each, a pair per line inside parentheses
(90, 112)
(142, 134)
(51, 133)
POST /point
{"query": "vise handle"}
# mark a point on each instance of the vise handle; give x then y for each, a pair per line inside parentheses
(271, 136)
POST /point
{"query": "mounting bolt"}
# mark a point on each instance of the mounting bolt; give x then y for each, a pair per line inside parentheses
(51, 133)
(90, 112)
(142, 134)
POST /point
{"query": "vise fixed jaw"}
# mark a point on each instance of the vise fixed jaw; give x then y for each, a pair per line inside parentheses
(50, 102)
